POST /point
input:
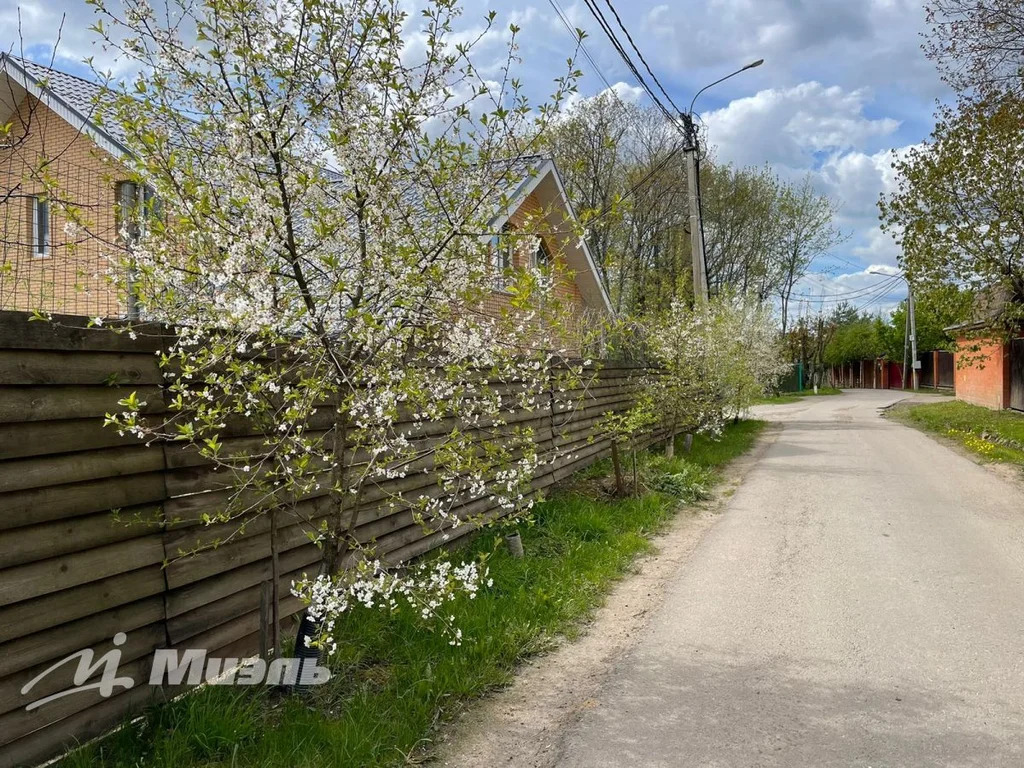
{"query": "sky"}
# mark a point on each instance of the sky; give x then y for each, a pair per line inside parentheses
(843, 89)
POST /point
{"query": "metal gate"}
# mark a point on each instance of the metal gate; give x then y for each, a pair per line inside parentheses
(1017, 374)
(946, 369)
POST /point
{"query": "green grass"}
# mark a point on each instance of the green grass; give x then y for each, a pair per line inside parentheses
(394, 681)
(784, 398)
(993, 435)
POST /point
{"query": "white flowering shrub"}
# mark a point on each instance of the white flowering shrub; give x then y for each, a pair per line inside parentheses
(749, 349)
(324, 177)
(714, 360)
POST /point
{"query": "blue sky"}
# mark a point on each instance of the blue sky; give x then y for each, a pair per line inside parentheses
(844, 86)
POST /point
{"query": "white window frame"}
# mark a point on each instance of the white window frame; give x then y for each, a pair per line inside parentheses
(40, 238)
(501, 256)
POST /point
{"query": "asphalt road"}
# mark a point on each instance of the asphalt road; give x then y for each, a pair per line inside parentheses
(860, 603)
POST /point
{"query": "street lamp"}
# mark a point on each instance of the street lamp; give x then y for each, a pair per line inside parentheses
(910, 324)
(700, 273)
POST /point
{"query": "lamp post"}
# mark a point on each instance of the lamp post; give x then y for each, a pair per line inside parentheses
(912, 336)
(691, 151)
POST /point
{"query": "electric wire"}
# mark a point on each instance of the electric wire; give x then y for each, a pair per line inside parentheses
(643, 61)
(849, 294)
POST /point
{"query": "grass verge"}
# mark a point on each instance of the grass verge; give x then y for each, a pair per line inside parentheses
(394, 681)
(783, 398)
(992, 435)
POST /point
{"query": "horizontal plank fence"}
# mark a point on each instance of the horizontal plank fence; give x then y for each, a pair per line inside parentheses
(73, 572)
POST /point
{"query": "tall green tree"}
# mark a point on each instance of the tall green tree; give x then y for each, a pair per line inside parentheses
(958, 210)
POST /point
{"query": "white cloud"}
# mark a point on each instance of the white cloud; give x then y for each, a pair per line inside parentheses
(878, 247)
(624, 91)
(790, 126)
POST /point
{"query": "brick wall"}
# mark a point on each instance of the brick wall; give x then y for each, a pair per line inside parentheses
(985, 383)
(73, 277)
(566, 288)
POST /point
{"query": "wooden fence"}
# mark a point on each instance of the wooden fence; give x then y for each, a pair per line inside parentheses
(72, 574)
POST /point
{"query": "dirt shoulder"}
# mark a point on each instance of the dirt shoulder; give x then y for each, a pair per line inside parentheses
(523, 725)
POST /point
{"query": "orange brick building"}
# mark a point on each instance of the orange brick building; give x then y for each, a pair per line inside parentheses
(48, 263)
(989, 371)
(541, 205)
(985, 372)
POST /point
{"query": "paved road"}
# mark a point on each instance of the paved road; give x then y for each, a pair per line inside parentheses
(860, 603)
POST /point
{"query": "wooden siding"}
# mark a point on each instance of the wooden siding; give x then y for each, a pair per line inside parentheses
(72, 574)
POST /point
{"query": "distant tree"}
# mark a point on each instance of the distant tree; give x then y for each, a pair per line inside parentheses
(808, 230)
(934, 310)
(626, 178)
(743, 229)
(856, 339)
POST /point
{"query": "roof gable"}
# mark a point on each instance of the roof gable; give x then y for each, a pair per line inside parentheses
(541, 177)
(71, 98)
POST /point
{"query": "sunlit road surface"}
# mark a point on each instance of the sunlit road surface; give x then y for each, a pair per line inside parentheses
(859, 603)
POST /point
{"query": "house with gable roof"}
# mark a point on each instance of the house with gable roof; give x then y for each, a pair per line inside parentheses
(48, 264)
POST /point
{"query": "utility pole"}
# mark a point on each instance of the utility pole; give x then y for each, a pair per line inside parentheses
(915, 363)
(699, 258)
(700, 277)
(906, 341)
(910, 324)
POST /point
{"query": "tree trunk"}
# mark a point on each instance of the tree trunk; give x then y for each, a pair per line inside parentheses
(620, 483)
(670, 444)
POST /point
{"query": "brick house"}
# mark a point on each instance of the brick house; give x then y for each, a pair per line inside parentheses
(989, 371)
(46, 264)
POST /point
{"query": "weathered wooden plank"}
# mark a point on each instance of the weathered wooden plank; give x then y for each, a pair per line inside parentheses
(190, 597)
(43, 471)
(32, 650)
(186, 539)
(210, 562)
(24, 582)
(44, 438)
(39, 505)
(198, 620)
(60, 402)
(139, 643)
(30, 616)
(32, 367)
(69, 333)
(181, 456)
(19, 722)
(80, 727)
(61, 537)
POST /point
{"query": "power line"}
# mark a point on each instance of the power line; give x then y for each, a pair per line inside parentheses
(878, 297)
(849, 294)
(873, 298)
(617, 45)
(568, 28)
(654, 171)
(643, 61)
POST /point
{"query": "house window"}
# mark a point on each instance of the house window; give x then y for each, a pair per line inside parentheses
(40, 211)
(501, 253)
(542, 257)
